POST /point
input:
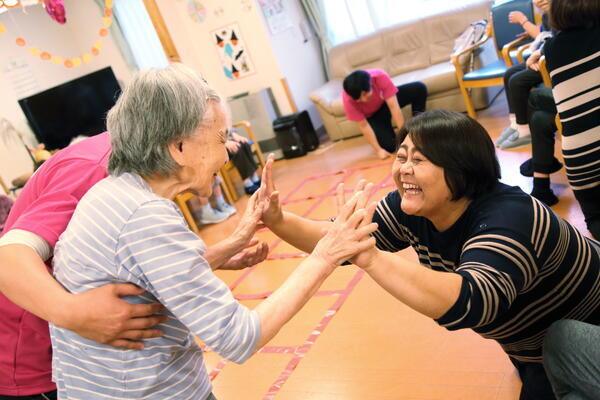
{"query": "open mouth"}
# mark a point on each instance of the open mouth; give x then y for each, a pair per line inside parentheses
(411, 189)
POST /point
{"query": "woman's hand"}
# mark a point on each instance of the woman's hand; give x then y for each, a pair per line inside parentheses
(533, 60)
(350, 232)
(239, 138)
(269, 196)
(517, 17)
(248, 257)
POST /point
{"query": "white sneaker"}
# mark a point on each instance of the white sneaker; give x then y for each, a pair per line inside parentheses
(228, 209)
(208, 215)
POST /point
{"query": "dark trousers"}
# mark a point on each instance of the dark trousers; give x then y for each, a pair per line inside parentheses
(518, 81)
(536, 385)
(543, 127)
(243, 159)
(415, 94)
(43, 396)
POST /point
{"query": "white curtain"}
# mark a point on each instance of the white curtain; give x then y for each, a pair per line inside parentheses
(349, 19)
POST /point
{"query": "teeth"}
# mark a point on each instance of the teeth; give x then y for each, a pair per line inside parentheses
(410, 186)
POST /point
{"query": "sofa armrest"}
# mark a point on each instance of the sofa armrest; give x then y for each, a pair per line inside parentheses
(329, 96)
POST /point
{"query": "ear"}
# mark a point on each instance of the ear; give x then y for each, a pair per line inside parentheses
(176, 152)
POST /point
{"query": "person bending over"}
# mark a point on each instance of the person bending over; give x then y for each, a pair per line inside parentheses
(372, 100)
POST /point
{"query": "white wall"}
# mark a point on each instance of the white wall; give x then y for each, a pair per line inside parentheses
(300, 61)
(73, 39)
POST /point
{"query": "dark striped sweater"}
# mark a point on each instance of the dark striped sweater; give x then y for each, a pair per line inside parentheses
(573, 61)
(523, 267)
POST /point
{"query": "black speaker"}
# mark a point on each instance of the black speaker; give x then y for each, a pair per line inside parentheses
(301, 121)
(288, 138)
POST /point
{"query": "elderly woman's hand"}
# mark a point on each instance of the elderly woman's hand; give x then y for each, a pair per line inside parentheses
(232, 146)
(517, 17)
(533, 62)
(254, 253)
(350, 232)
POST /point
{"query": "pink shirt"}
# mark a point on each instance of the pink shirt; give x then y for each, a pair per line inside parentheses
(382, 87)
(44, 207)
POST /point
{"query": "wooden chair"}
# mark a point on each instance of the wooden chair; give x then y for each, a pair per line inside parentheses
(181, 201)
(225, 170)
(503, 34)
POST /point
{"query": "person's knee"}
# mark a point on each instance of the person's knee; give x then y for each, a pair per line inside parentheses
(559, 336)
(421, 89)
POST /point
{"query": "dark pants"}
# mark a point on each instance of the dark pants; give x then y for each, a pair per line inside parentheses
(415, 94)
(536, 385)
(518, 81)
(572, 359)
(543, 127)
(43, 396)
(243, 159)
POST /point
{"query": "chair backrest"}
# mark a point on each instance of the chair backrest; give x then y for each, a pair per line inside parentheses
(504, 31)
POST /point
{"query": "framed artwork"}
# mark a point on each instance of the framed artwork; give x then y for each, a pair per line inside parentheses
(276, 15)
(233, 52)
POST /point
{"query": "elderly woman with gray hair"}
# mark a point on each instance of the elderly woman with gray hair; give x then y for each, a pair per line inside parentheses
(168, 132)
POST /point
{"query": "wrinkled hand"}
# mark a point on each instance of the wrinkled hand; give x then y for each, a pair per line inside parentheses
(533, 62)
(269, 196)
(232, 146)
(350, 232)
(516, 17)
(102, 316)
(239, 138)
(249, 222)
(248, 257)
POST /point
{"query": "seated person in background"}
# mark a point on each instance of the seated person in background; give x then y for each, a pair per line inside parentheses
(126, 229)
(543, 128)
(519, 80)
(372, 100)
(240, 153)
(493, 259)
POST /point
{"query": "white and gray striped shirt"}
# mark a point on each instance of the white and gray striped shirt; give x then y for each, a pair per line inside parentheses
(122, 232)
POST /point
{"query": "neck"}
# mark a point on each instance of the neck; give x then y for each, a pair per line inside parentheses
(450, 214)
(165, 187)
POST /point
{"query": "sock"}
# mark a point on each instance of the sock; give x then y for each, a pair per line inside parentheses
(523, 130)
(541, 191)
(220, 202)
(541, 184)
(255, 178)
(248, 183)
(513, 121)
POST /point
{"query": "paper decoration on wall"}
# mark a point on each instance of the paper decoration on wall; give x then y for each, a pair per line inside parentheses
(56, 10)
(196, 10)
(9, 3)
(246, 5)
(276, 15)
(218, 11)
(74, 61)
(233, 52)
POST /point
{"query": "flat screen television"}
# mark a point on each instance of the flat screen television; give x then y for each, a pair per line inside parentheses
(74, 108)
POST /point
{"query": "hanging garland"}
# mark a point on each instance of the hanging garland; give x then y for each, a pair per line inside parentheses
(74, 61)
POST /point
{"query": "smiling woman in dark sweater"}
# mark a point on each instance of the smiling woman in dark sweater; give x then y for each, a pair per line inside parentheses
(493, 258)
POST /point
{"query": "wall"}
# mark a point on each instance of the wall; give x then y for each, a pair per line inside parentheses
(298, 53)
(273, 56)
(22, 74)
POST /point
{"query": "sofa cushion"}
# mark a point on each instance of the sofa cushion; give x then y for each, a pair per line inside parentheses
(406, 48)
(438, 78)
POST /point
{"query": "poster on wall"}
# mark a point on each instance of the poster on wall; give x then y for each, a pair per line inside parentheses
(233, 52)
(276, 15)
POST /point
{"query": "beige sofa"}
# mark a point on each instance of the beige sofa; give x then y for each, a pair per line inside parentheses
(417, 50)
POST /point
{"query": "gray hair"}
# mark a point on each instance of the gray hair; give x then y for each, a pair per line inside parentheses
(158, 107)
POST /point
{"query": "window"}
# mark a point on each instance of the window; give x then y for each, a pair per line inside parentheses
(349, 19)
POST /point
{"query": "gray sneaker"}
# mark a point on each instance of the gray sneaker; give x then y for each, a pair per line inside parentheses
(208, 215)
(506, 134)
(514, 142)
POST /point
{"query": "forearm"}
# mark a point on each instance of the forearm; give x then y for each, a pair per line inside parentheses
(220, 253)
(397, 117)
(369, 134)
(298, 231)
(25, 280)
(532, 29)
(429, 292)
(286, 301)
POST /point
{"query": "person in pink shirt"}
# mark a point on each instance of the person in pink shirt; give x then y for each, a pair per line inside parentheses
(372, 100)
(29, 295)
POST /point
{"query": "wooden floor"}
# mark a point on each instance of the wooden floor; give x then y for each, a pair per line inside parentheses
(353, 341)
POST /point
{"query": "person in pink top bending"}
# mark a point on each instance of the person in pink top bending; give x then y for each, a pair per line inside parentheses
(372, 100)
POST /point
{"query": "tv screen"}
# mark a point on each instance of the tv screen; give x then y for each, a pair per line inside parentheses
(74, 108)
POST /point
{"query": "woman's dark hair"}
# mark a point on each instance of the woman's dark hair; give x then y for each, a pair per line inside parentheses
(458, 144)
(574, 14)
(357, 82)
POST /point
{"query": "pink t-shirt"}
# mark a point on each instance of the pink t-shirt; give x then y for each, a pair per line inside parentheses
(44, 207)
(383, 88)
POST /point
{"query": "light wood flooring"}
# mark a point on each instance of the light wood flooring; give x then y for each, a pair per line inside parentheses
(354, 341)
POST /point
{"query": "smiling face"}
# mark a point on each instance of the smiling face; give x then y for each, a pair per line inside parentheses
(203, 154)
(421, 183)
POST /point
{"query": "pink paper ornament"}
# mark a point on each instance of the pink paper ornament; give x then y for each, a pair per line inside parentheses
(56, 9)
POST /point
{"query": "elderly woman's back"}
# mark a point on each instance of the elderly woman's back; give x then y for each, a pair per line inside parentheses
(122, 232)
